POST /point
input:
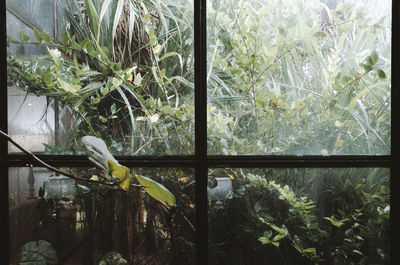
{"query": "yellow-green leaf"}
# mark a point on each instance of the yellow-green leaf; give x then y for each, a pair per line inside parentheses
(156, 190)
(120, 172)
(116, 82)
(138, 80)
(69, 87)
(55, 55)
(157, 48)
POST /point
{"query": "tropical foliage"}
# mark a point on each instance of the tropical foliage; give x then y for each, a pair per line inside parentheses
(285, 80)
(125, 70)
(284, 77)
(341, 218)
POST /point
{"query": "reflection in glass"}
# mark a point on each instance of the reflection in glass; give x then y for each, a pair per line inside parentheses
(299, 77)
(301, 216)
(88, 222)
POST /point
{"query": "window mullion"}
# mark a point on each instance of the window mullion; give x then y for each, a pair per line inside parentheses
(200, 69)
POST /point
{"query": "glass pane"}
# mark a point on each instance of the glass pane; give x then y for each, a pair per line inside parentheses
(299, 77)
(121, 72)
(299, 216)
(80, 223)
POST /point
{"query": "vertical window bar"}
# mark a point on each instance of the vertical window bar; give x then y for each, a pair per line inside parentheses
(394, 151)
(200, 66)
(3, 142)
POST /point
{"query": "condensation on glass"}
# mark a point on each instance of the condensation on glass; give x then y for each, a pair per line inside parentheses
(76, 222)
(299, 216)
(299, 77)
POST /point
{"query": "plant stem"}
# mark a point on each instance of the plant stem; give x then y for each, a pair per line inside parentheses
(56, 170)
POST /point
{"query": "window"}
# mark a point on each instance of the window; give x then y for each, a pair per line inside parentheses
(251, 131)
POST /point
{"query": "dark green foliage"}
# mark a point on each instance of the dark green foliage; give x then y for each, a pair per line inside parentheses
(267, 222)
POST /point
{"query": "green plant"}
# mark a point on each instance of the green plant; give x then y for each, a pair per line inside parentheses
(152, 88)
(270, 78)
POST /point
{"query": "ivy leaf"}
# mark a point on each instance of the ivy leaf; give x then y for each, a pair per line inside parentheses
(156, 190)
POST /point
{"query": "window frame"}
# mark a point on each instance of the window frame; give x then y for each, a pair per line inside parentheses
(201, 161)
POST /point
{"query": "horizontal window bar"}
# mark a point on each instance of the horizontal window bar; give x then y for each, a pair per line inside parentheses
(213, 161)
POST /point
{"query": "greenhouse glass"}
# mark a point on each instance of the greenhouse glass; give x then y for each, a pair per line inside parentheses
(94, 221)
(122, 72)
(299, 77)
(301, 216)
(240, 132)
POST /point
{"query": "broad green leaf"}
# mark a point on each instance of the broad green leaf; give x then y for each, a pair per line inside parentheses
(46, 37)
(121, 172)
(278, 237)
(381, 73)
(37, 35)
(23, 36)
(69, 87)
(156, 190)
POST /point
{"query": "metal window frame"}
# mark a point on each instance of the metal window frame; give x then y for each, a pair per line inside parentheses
(200, 161)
